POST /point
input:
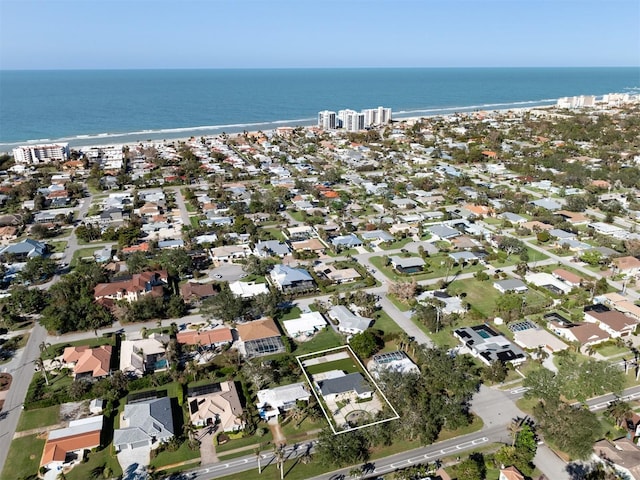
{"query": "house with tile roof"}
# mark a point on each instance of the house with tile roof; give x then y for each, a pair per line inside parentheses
(615, 323)
(89, 363)
(214, 338)
(216, 404)
(65, 446)
(511, 473)
(259, 337)
(139, 285)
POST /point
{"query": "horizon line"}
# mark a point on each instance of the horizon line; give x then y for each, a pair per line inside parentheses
(80, 69)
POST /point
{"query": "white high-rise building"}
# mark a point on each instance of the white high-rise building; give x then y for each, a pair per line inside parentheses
(376, 116)
(353, 122)
(327, 120)
(32, 154)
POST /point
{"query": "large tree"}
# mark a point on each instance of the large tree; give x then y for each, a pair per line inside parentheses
(348, 448)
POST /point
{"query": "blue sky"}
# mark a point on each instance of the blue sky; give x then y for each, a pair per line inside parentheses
(77, 34)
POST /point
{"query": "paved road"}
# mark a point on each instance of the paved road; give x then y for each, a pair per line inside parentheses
(184, 213)
(22, 370)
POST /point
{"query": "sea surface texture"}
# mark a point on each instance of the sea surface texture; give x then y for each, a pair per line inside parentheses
(117, 106)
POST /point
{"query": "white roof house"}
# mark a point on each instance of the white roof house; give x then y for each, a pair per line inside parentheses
(347, 320)
(273, 400)
(533, 338)
(248, 289)
(306, 325)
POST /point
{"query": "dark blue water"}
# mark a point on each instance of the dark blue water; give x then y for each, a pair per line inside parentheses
(112, 106)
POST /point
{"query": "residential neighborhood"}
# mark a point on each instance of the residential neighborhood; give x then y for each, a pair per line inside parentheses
(183, 304)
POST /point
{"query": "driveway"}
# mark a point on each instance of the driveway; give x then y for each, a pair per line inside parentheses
(229, 272)
(134, 463)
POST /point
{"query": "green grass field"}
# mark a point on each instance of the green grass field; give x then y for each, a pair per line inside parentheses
(97, 461)
(346, 364)
(327, 338)
(23, 459)
(41, 417)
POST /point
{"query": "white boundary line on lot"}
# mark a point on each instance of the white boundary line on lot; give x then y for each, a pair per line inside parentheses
(366, 372)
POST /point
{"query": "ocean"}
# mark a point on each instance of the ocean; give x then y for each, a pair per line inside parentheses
(124, 106)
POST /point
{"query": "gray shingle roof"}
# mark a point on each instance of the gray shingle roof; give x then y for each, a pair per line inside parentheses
(346, 383)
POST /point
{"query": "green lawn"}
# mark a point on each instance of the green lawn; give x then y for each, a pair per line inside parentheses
(57, 246)
(437, 268)
(41, 417)
(327, 338)
(346, 364)
(97, 460)
(275, 233)
(481, 295)
(385, 323)
(398, 244)
(183, 454)
(23, 458)
(399, 304)
(607, 349)
(82, 253)
(245, 441)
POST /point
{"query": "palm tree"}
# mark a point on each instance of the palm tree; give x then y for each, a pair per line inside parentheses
(356, 472)
(515, 427)
(40, 364)
(256, 452)
(541, 354)
(620, 411)
(591, 350)
(279, 456)
(44, 347)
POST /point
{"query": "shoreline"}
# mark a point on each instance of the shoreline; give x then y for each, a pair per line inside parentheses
(184, 133)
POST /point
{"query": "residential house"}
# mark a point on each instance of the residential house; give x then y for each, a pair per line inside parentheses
(407, 265)
(65, 446)
(216, 404)
(197, 292)
(139, 285)
(272, 248)
(144, 355)
(582, 333)
(622, 454)
(451, 304)
(532, 338)
(214, 338)
(146, 423)
(616, 324)
(259, 337)
(248, 289)
(24, 250)
(567, 277)
(89, 363)
(314, 245)
(330, 272)
(377, 236)
(628, 266)
(306, 325)
(512, 218)
(228, 253)
(443, 232)
(348, 322)
(488, 345)
(345, 242)
(288, 279)
(510, 285)
(338, 385)
(8, 233)
(273, 401)
(511, 473)
(547, 204)
(397, 361)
